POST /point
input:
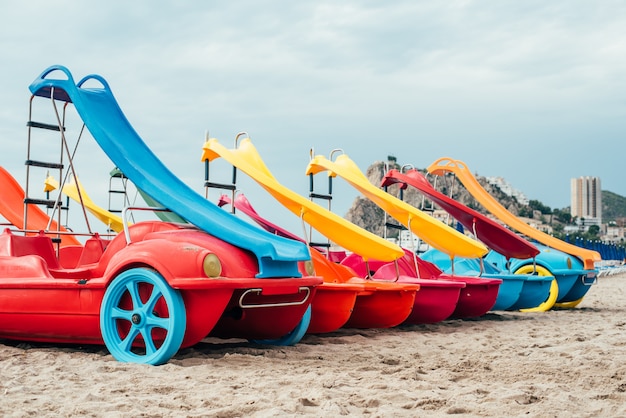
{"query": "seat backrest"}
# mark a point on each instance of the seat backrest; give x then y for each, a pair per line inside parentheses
(69, 255)
(92, 251)
(19, 245)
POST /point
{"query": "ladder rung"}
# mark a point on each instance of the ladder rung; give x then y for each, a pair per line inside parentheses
(43, 164)
(220, 185)
(319, 244)
(320, 196)
(41, 125)
(117, 191)
(395, 226)
(48, 203)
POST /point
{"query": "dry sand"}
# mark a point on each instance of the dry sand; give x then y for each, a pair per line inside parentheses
(557, 363)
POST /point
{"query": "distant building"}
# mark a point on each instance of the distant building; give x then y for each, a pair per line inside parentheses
(586, 200)
(613, 233)
(411, 241)
(507, 189)
(537, 224)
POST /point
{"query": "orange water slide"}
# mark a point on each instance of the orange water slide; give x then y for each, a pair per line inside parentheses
(12, 208)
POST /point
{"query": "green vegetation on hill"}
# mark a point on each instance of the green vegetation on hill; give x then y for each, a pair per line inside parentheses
(613, 206)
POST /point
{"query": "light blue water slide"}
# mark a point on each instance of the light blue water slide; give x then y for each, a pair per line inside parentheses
(99, 110)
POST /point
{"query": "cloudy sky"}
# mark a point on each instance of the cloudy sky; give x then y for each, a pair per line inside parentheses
(532, 91)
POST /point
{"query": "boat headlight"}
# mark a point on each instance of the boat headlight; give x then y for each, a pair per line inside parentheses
(309, 267)
(212, 265)
(569, 263)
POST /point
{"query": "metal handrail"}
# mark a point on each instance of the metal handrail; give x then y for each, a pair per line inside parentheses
(258, 291)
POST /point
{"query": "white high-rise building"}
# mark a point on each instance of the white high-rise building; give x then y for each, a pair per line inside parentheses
(586, 200)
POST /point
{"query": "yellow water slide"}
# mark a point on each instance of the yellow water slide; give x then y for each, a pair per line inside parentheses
(71, 189)
(343, 233)
(459, 168)
(432, 231)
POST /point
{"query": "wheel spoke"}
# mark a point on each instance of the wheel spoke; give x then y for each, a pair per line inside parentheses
(127, 342)
(154, 297)
(147, 338)
(157, 322)
(119, 313)
(133, 290)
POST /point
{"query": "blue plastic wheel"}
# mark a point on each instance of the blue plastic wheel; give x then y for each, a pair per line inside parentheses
(294, 336)
(142, 319)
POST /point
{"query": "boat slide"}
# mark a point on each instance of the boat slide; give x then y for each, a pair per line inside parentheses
(342, 232)
(108, 125)
(434, 232)
(486, 230)
(460, 169)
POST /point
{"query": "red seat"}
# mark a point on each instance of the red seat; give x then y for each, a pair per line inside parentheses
(93, 250)
(19, 245)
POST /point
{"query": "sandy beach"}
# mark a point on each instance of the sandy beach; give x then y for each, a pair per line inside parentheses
(557, 363)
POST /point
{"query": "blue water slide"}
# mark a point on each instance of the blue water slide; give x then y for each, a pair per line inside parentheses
(277, 257)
